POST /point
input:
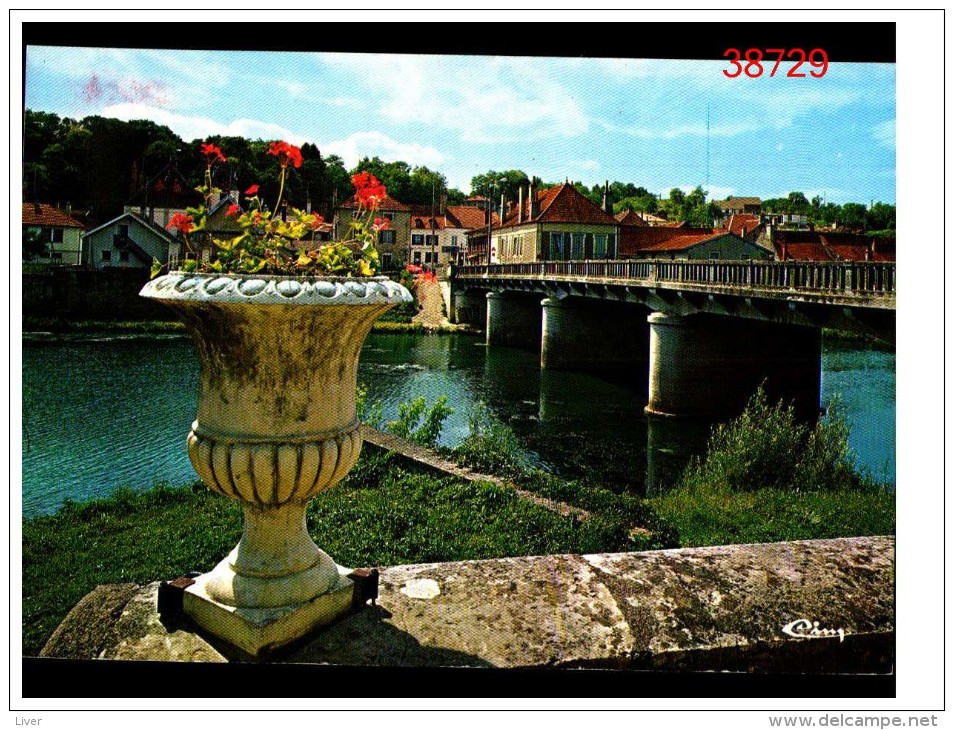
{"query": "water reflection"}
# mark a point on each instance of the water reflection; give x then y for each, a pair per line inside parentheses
(118, 414)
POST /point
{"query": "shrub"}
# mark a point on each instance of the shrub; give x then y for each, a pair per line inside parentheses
(490, 446)
(767, 447)
(420, 424)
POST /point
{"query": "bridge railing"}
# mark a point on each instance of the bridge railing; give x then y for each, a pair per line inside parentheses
(845, 277)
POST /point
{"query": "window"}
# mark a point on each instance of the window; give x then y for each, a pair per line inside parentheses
(576, 248)
(417, 258)
(430, 240)
(124, 255)
(428, 258)
(417, 239)
(611, 246)
(386, 237)
(57, 235)
(124, 231)
(107, 255)
(556, 246)
(599, 246)
(386, 259)
(453, 240)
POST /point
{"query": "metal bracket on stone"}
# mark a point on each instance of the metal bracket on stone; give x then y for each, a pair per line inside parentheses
(365, 586)
(169, 601)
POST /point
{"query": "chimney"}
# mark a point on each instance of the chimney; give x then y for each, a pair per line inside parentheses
(503, 207)
(69, 207)
(607, 198)
(520, 205)
(36, 208)
(534, 203)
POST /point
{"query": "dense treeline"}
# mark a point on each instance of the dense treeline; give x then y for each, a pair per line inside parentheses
(98, 164)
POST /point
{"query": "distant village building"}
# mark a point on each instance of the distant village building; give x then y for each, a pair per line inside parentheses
(687, 243)
(129, 242)
(825, 246)
(59, 233)
(555, 224)
(438, 240)
(734, 205)
(394, 243)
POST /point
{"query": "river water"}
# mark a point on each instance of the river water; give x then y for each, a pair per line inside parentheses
(100, 413)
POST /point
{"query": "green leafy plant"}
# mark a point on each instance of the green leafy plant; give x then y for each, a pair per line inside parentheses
(420, 424)
(275, 240)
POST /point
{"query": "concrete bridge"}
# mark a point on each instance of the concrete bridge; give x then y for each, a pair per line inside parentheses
(709, 331)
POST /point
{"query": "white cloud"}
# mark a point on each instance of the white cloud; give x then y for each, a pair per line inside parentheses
(197, 127)
(884, 133)
(483, 99)
(370, 144)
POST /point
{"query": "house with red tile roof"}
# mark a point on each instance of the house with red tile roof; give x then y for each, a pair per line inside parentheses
(555, 224)
(60, 233)
(630, 218)
(394, 242)
(437, 240)
(688, 243)
(830, 246)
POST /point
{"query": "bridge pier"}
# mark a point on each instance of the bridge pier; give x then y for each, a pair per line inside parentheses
(588, 333)
(708, 366)
(513, 319)
(468, 307)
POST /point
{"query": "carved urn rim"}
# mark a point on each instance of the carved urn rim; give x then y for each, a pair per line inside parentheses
(185, 286)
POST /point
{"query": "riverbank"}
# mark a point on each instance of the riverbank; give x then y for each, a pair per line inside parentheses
(41, 328)
(389, 511)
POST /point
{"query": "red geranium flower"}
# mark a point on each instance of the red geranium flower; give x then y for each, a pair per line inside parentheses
(252, 190)
(368, 190)
(181, 222)
(381, 224)
(233, 209)
(316, 221)
(286, 153)
(212, 152)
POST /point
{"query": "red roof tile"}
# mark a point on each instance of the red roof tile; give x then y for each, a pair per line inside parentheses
(47, 216)
(682, 241)
(561, 204)
(630, 218)
(469, 217)
(633, 239)
(739, 220)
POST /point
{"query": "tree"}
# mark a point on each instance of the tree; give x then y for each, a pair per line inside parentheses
(797, 203)
(881, 217)
(853, 215)
(426, 187)
(507, 183)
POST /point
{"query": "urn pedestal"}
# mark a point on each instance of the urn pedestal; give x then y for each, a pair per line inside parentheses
(276, 424)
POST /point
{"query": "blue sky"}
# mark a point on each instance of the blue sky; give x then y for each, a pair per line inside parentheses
(633, 120)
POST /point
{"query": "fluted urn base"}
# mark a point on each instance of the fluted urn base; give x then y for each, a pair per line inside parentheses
(259, 630)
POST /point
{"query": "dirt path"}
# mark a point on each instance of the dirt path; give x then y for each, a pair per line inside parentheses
(431, 315)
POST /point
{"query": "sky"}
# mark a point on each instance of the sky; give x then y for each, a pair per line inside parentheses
(656, 123)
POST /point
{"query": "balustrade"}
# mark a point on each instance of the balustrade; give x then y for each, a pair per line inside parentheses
(851, 277)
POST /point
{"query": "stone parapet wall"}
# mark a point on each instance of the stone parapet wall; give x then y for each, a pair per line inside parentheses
(748, 608)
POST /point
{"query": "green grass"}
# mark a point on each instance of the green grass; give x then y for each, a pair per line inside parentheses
(704, 514)
(134, 538)
(91, 326)
(381, 514)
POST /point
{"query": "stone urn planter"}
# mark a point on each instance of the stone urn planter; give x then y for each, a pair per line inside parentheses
(276, 425)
